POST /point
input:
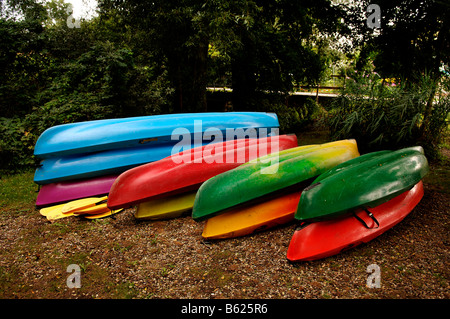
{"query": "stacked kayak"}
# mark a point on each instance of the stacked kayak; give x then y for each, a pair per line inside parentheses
(84, 159)
(357, 201)
(91, 165)
(264, 193)
(97, 148)
(269, 174)
(166, 207)
(70, 190)
(166, 188)
(231, 171)
(242, 221)
(101, 135)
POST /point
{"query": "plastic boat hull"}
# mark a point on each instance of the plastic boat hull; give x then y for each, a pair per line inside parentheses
(367, 181)
(253, 218)
(269, 174)
(187, 170)
(330, 237)
(54, 193)
(101, 135)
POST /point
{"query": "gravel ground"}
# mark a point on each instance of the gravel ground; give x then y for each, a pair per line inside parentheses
(127, 258)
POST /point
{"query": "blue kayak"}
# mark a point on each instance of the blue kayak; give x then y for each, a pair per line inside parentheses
(108, 134)
(81, 166)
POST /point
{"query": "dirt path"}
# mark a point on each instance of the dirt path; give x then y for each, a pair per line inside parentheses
(126, 258)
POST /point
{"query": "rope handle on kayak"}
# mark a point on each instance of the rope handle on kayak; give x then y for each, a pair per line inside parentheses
(369, 213)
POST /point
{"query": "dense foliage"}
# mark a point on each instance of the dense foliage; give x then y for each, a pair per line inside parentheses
(383, 115)
(399, 93)
(150, 57)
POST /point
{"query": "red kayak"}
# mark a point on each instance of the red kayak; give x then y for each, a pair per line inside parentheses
(187, 170)
(330, 237)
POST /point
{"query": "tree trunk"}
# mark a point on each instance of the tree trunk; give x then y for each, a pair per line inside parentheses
(243, 77)
(189, 76)
(200, 76)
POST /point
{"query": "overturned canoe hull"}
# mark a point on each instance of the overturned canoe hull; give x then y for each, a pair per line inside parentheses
(253, 218)
(102, 135)
(55, 193)
(86, 166)
(326, 238)
(166, 208)
(267, 175)
(186, 171)
(362, 182)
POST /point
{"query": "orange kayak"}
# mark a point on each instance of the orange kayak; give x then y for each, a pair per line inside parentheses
(246, 220)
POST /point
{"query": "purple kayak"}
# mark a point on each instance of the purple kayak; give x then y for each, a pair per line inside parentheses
(54, 193)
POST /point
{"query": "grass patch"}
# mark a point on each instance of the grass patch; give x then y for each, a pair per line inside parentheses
(439, 179)
(125, 290)
(18, 192)
(439, 176)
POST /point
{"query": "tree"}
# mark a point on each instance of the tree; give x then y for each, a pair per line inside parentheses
(267, 44)
(411, 45)
(21, 58)
(167, 30)
(270, 45)
(419, 34)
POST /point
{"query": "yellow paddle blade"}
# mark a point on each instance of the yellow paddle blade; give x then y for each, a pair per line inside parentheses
(92, 210)
(168, 207)
(46, 210)
(104, 214)
(56, 213)
(83, 203)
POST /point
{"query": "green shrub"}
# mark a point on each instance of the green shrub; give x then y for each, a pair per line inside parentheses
(389, 117)
(16, 145)
(101, 83)
(292, 117)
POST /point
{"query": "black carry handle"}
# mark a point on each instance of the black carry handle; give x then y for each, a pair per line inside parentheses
(112, 215)
(371, 216)
(104, 201)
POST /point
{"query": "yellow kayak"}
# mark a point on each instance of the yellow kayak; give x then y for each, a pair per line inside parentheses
(253, 218)
(167, 207)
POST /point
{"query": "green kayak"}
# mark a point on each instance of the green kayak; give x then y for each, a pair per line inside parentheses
(367, 181)
(269, 174)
